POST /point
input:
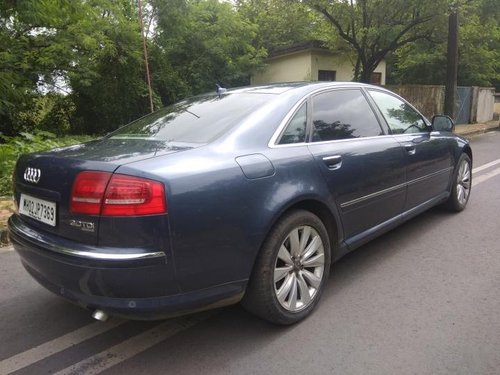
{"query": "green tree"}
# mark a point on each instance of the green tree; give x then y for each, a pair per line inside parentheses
(281, 23)
(33, 54)
(374, 28)
(90, 49)
(424, 61)
(109, 88)
(211, 44)
(77, 65)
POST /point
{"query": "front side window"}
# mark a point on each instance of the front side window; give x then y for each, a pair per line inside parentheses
(343, 114)
(401, 118)
(295, 132)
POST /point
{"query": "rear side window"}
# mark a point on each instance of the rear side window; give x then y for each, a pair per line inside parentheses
(401, 118)
(295, 132)
(343, 114)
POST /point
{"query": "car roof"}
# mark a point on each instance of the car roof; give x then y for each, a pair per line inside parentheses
(281, 88)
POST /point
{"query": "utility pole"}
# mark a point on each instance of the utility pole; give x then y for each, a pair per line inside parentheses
(146, 64)
(452, 64)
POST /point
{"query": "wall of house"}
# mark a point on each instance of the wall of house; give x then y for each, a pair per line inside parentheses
(304, 66)
(381, 68)
(325, 61)
(289, 68)
(342, 66)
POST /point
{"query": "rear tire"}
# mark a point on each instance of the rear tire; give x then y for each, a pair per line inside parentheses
(462, 184)
(291, 270)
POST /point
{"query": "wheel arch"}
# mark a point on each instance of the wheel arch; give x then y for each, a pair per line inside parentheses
(467, 149)
(322, 210)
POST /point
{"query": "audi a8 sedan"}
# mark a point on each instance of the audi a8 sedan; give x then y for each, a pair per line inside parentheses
(242, 195)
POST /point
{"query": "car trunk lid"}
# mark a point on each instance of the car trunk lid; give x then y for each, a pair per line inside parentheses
(44, 182)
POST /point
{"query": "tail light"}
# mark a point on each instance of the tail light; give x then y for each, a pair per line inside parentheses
(102, 193)
(88, 191)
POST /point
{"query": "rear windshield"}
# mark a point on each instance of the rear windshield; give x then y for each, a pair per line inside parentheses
(191, 122)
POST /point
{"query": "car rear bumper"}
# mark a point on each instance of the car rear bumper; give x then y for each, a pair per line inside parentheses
(133, 283)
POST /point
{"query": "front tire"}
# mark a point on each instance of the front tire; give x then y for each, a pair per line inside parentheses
(291, 269)
(462, 184)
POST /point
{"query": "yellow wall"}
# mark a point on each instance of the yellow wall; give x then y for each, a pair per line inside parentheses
(304, 66)
(497, 107)
(497, 104)
(381, 69)
(325, 61)
(289, 68)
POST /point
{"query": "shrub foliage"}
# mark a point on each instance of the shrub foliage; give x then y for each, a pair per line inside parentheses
(26, 143)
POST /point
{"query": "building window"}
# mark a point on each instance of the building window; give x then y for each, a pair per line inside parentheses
(326, 75)
(376, 78)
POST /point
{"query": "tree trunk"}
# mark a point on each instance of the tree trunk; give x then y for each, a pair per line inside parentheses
(357, 69)
(365, 76)
(451, 71)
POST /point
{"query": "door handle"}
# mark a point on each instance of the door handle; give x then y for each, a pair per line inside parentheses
(410, 148)
(333, 162)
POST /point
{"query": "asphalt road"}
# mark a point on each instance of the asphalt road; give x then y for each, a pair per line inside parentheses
(422, 299)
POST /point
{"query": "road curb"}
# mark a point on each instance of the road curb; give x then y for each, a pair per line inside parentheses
(470, 130)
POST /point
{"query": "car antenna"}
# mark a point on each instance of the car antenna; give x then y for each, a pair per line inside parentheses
(220, 90)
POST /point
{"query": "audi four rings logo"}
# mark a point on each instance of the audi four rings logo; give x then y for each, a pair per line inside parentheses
(32, 175)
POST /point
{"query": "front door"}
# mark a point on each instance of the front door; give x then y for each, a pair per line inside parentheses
(428, 155)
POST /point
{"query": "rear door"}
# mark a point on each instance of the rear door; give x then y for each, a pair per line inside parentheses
(428, 156)
(364, 167)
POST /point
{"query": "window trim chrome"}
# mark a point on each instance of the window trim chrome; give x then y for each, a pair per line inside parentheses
(273, 142)
(393, 188)
(27, 234)
(286, 120)
(373, 195)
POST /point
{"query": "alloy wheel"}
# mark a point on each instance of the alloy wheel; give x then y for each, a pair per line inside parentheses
(463, 182)
(299, 268)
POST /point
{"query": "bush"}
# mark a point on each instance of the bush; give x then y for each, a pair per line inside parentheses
(13, 147)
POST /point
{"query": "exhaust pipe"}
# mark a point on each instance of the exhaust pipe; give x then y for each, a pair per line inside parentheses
(100, 315)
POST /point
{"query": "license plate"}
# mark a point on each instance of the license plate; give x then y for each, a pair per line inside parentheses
(38, 209)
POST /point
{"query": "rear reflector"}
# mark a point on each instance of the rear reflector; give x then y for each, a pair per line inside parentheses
(109, 194)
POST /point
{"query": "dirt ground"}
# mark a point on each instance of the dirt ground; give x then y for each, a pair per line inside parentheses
(6, 209)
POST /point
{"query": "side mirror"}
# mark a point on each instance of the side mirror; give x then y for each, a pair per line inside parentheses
(442, 123)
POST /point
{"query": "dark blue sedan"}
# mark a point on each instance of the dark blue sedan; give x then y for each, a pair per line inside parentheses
(249, 194)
